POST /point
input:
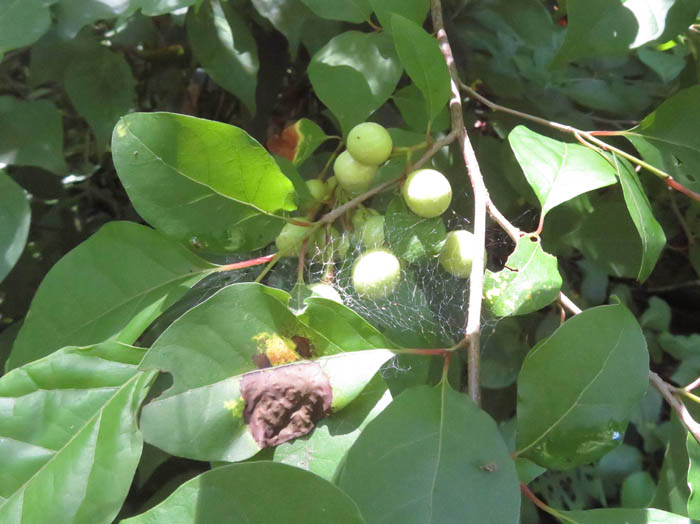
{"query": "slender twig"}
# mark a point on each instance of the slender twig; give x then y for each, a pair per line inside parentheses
(544, 507)
(667, 391)
(246, 263)
(476, 278)
(693, 385)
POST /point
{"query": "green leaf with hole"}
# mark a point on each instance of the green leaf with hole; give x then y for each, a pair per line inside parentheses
(529, 281)
(15, 216)
(23, 22)
(125, 274)
(208, 181)
(411, 237)
(558, 171)
(414, 10)
(233, 419)
(650, 231)
(356, 11)
(101, 87)
(577, 388)
(71, 442)
(432, 456)
(225, 47)
(354, 74)
(628, 516)
(261, 492)
(422, 59)
(668, 139)
(31, 133)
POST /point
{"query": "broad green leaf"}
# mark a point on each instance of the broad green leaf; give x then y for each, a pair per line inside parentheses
(356, 11)
(323, 451)
(101, 87)
(667, 65)
(70, 442)
(125, 274)
(672, 491)
(72, 15)
(604, 28)
(558, 171)
(414, 112)
(626, 516)
(529, 281)
(160, 7)
(354, 74)
(411, 237)
(693, 477)
(310, 136)
(577, 388)
(14, 223)
(224, 45)
(22, 22)
(432, 456)
(415, 10)
(288, 17)
(668, 137)
(221, 157)
(420, 55)
(256, 492)
(31, 133)
(229, 421)
(650, 231)
(502, 354)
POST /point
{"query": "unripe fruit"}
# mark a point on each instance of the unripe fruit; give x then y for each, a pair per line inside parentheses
(289, 240)
(318, 189)
(332, 182)
(322, 290)
(457, 253)
(369, 143)
(637, 490)
(376, 273)
(353, 176)
(427, 193)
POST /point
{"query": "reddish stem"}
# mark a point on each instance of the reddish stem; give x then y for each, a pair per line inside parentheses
(247, 263)
(605, 133)
(670, 182)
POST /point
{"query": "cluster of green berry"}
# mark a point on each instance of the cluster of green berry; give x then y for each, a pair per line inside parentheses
(377, 271)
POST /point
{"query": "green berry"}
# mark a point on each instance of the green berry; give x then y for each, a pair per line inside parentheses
(353, 176)
(376, 273)
(427, 193)
(318, 188)
(322, 290)
(289, 240)
(637, 490)
(458, 252)
(369, 143)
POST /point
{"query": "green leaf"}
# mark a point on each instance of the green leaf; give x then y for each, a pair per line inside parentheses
(529, 281)
(411, 237)
(70, 442)
(354, 74)
(432, 456)
(22, 22)
(558, 171)
(577, 388)
(161, 7)
(288, 17)
(650, 231)
(420, 55)
(15, 216)
(221, 157)
(222, 42)
(101, 87)
(668, 137)
(667, 65)
(231, 421)
(323, 451)
(414, 112)
(502, 354)
(125, 274)
(628, 516)
(604, 28)
(693, 476)
(672, 491)
(414, 10)
(256, 492)
(356, 11)
(31, 133)
(310, 136)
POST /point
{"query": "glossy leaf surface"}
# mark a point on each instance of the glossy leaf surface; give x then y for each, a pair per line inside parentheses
(356, 11)
(70, 441)
(124, 274)
(224, 45)
(529, 281)
(422, 59)
(22, 23)
(411, 237)
(432, 456)
(577, 388)
(628, 516)
(558, 171)
(354, 74)
(15, 216)
(260, 492)
(415, 10)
